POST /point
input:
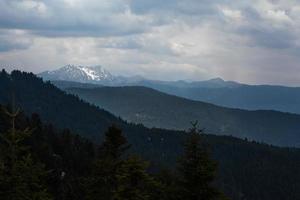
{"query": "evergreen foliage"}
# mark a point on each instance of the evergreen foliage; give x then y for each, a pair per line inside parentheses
(20, 176)
(134, 183)
(247, 170)
(103, 182)
(196, 170)
(157, 109)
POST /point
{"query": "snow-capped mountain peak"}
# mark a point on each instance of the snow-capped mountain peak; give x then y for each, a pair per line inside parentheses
(83, 74)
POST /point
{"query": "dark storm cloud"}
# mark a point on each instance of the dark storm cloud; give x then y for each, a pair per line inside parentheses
(59, 18)
(172, 38)
(56, 18)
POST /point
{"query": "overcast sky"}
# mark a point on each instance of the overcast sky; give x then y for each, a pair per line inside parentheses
(255, 41)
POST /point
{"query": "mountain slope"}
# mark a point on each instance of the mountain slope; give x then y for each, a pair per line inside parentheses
(156, 109)
(70, 84)
(248, 170)
(251, 97)
(217, 91)
(231, 94)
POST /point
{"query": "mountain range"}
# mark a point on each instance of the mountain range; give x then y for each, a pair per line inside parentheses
(217, 91)
(156, 109)
(247, 170)
(88, 74)
(152, 108)
(242, 96)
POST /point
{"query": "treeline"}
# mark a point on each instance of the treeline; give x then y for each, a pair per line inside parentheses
(247, 170)
(171, 112)
(37, 162)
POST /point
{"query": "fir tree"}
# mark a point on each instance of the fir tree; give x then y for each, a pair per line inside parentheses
(134, 183)
(20, 177)
(103, 182)
(196, 170)
(169, 184)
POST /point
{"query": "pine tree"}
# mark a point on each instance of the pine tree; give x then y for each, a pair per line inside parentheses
(20, 177)
(134, 183)
(103, 182)
(196, 170)
(114, 145)
(169, 184)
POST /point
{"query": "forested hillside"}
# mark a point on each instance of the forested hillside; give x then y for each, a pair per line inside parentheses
(223, 93)
(66, 166)
(247, 170)
(250, 97)
(155, 109)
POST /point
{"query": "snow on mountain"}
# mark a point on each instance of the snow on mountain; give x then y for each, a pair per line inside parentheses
(84, 74)
(99, 75)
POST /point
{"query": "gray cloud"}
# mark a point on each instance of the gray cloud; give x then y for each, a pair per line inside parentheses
(280, 33)
(55, 18)
(13, 40)
(175, 7)
(271, 39)
(122, 43)
(166, 39)
(7, 45)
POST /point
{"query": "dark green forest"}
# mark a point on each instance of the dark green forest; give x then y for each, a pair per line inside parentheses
(64, 165)
(157, 109)
(39, 163)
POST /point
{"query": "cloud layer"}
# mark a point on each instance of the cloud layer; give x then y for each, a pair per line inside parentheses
(249, 41)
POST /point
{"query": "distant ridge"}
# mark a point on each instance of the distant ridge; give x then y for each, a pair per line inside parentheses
(216, 91)
(99, 75)
(245, 167)
(156, 109)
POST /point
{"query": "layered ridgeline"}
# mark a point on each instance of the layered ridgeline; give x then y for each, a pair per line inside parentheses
(216, 91)
(156, 109)
(235, 95)
(62, 165)
(247, 170)
(48, 164)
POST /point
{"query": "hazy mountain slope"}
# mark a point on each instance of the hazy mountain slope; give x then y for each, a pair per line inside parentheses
(67, 111)
(32, 95)
(216, 91)
(70, 84)
(232, 94)
(156, 109)
(246, 169)
(285, 99)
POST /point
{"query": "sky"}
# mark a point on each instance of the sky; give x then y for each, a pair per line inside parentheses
(256, 42)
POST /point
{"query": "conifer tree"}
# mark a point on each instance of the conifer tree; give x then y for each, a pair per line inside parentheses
(103, 182)
(134, 182)
(196, 170)
(20, 177)
(169, 184)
